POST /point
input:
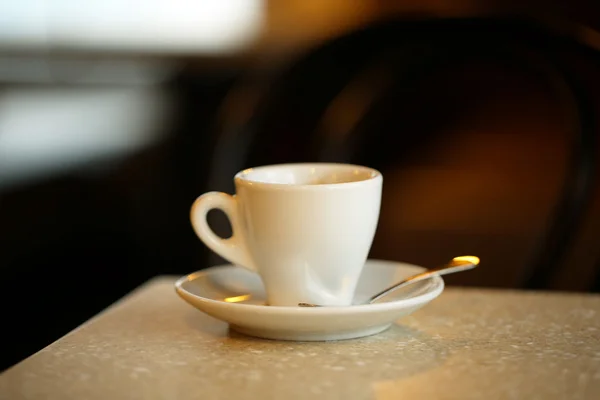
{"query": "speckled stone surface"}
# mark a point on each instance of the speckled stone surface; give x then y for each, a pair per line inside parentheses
(467, 344)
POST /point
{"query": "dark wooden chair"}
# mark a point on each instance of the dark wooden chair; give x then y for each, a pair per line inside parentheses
(385, 94)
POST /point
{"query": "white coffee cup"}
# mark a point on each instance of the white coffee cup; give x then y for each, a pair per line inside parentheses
(306, 229)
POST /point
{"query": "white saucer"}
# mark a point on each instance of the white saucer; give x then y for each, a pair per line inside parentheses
(235, 295)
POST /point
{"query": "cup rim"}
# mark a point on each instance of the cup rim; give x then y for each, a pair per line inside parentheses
(242, 179)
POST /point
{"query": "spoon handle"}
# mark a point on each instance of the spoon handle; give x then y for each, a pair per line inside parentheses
(456, 265)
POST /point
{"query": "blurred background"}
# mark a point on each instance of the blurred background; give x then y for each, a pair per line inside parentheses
(114, 116)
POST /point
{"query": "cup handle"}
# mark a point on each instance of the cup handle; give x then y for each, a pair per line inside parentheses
(233, 248)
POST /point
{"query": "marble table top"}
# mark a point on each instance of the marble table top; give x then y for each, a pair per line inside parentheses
(466, 344)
